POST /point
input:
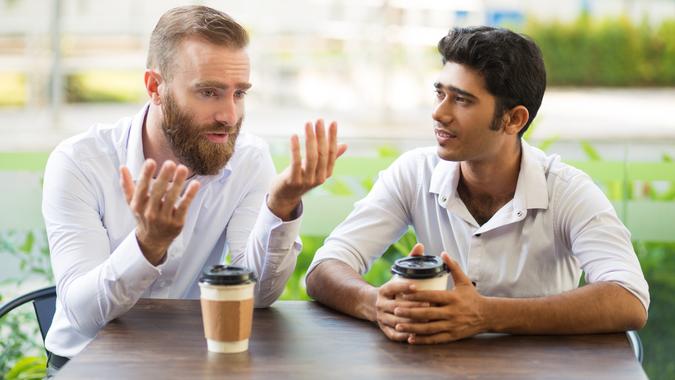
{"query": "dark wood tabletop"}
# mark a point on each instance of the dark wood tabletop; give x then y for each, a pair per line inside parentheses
(163, 339)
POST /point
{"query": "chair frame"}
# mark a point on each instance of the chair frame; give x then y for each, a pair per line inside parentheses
(40, 298)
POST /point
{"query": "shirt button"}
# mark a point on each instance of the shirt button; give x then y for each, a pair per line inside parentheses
(477, 235)
(519, 213)
(444, 198)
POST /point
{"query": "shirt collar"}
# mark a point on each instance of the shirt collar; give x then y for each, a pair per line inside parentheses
(531, 188)
(445, 178)
(136, 158)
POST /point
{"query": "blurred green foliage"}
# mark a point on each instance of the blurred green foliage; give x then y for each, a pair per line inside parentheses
(606, 52)
(21, 352)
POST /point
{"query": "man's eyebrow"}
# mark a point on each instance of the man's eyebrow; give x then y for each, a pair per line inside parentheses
(221, 85)
(454, 89)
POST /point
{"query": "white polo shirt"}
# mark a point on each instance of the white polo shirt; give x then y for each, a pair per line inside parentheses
(557, 224)
(100, 271)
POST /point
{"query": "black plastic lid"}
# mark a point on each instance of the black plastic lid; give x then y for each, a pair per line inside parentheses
(419, 267)
(226, 275)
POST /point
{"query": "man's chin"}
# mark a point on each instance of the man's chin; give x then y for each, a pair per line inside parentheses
(447, 155)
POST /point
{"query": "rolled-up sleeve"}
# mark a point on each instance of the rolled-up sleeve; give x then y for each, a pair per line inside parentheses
(377, 221)
(598, 239)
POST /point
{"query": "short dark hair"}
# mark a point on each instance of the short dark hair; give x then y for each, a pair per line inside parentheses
(193, 20)
(511, 64)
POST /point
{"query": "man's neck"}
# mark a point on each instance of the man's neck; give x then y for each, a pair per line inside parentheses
(486, 186)
(493, 178)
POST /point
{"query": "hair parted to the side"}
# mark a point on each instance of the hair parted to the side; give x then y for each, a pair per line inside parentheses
(193, 20)
(511, 65)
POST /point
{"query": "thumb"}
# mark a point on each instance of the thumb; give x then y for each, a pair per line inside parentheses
(455, 270)
(417, 250)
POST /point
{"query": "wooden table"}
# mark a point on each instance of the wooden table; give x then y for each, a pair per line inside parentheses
(163, 339)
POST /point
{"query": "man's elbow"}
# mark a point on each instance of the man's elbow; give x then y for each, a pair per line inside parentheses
(311, 283)
(637, 319)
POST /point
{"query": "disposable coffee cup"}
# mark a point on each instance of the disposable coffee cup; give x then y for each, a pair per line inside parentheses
(227, 307)
(426, 272)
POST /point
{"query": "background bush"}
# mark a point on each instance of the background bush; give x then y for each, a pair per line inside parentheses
(606, 52)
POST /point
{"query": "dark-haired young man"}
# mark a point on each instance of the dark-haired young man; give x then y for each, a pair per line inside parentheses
(138, 208)
(515, 227)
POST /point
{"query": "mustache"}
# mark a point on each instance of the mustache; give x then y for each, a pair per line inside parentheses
(222, 127)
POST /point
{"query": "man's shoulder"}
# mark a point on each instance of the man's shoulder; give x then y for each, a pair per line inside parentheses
(419, 158)
(97, 142)
(555, 170)
(248, 141)
(249, 146)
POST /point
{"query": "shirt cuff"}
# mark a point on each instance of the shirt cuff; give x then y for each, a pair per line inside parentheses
(283, 234)
(129, 263)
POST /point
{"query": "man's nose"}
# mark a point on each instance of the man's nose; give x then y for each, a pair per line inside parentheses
(228, 113)
(443, 112)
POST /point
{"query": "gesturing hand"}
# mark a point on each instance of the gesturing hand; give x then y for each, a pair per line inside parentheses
(321, 151)
(455, 314)
(157, 205)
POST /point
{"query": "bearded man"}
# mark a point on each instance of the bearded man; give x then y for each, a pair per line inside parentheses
(139, 208)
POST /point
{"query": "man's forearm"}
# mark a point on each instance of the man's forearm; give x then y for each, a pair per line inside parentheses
(337, 285)
(595, 308)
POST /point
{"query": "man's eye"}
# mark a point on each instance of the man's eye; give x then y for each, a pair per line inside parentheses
(208, 93)
(240, 93)
(440, 94)
(461, 99)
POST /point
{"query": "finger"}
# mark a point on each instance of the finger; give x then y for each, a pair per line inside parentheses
(392, 288)
(443, 297)
(431, 339)
(409, 304)
(421, 313)
(158, 188)
(332, 149)
(455, 270)
(141, 195)
(393, 334)
(322, 152)
(417, 250)
(174, 190)
(184, 202)
(426, 328)
(342, 148)
(389, 305)
(391, 320)
(310, 153)
(296, 159)
(127, 183)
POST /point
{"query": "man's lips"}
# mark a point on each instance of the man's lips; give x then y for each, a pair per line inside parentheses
(218, 137)
(443, 135)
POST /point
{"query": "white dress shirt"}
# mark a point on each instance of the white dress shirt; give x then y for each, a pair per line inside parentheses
(557, 224)
(99, 269)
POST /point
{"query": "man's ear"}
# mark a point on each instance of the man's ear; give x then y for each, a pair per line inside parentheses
(515, 119)
(153, 80)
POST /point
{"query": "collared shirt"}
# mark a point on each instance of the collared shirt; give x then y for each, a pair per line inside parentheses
(99, 269)
(557, 224)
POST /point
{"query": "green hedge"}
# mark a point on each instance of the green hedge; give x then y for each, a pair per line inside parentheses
(607, 52)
